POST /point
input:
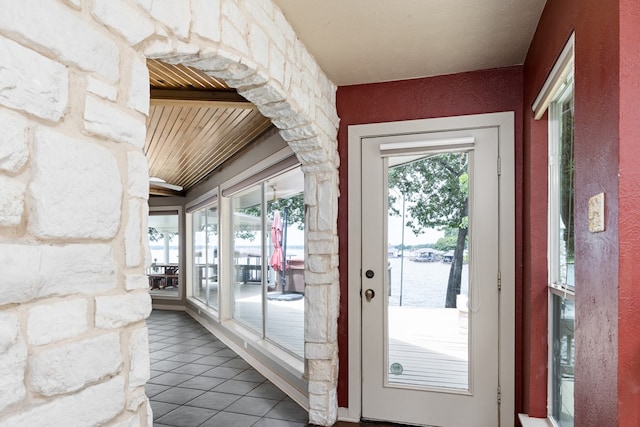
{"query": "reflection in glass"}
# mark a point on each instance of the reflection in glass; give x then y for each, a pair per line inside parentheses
(563, 360)
(205, 255)
(164, 244)
(428, 290)
(285, 313)
(566, 190)
(247, 247)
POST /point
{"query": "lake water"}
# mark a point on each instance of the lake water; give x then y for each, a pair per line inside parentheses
(424, 283)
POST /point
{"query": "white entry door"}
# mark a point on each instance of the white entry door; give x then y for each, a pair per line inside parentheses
(426, 362)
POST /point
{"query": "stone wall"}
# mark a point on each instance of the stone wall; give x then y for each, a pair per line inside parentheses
(74, 96)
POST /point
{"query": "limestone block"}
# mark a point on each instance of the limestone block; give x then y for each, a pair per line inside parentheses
(139, 88)
(175, 15)
(318, 387)
(107, 120)
(259, 45)
(133, 235)
(31, 272)
(306, 133)
(70, 367)
(133, 421)
(310, 187)
(11, 201)
(276, 36)
(30, 82)
(327, 216)
(13, 361)
(87, 46)
(121, 310)
(315, 314)
(205, 19)
(320, 351)
(78, 268)
(235, 15)
(327, 246)
(137, 174)
(76, 190)
(136, 281)
(91, 407)
(14, 151)
(54, 322)
(276, 64)
(233, 38)
(136, 398)
(102, 89)
(139, 370)
(124, 19)
(323, 370)
(318, 264)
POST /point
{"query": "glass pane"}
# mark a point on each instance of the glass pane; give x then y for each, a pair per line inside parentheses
(199, 224)
(164, 244)
(428, 320)
(285, 210)
(209, 275)
(247, 257)
(563, 360)
(566, 172)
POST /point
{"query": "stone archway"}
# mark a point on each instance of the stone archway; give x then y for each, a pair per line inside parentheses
(269, 66)
(74, 256)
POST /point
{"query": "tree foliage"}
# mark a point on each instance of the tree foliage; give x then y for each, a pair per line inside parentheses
(436, 188)
(295, 214)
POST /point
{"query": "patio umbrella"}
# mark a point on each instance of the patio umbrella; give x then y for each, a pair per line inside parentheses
(278, 260)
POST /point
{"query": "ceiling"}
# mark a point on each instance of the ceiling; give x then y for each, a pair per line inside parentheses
(364, 41)
(197, 122)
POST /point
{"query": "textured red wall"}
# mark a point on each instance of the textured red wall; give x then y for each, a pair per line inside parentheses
(554, 28)
(596, 154)
(453, 95)
(629, 214)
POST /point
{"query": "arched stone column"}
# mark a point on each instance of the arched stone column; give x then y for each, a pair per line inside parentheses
(73, 100)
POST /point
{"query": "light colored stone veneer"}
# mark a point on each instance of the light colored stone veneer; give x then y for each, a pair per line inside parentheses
(73, 191)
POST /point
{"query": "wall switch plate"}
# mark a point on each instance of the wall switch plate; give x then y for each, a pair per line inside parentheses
(596, 213)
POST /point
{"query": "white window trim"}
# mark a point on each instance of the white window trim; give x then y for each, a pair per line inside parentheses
(181, 257)
(557, 76)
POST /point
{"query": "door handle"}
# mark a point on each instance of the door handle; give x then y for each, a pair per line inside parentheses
(369, 294)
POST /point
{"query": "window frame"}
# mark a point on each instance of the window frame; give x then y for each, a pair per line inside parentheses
(552, 91)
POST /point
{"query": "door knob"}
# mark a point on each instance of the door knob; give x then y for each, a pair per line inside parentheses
(369, 294)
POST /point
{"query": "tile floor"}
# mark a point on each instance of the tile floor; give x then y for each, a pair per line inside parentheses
(197, 381)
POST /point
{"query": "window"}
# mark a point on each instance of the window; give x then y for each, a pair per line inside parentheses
(561, 259)
(164, 244)
(556, 98)
(267, 235)
(205, 255)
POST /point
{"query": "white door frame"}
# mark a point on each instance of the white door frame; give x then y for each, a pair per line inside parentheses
(504, 122)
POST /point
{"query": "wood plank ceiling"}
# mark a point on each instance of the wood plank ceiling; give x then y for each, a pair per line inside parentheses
(196, 123)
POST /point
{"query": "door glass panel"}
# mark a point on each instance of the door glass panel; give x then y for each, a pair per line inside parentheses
(247, 257)
(428, 296)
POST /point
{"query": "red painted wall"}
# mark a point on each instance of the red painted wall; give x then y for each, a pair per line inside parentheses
(598, 151)
(628, 217)
(453, 95)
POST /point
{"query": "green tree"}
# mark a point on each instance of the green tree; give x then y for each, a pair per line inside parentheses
(295, 213)
(437, 188)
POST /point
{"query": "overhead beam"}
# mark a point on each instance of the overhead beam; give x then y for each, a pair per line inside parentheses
(199, 98)
(160, 191)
